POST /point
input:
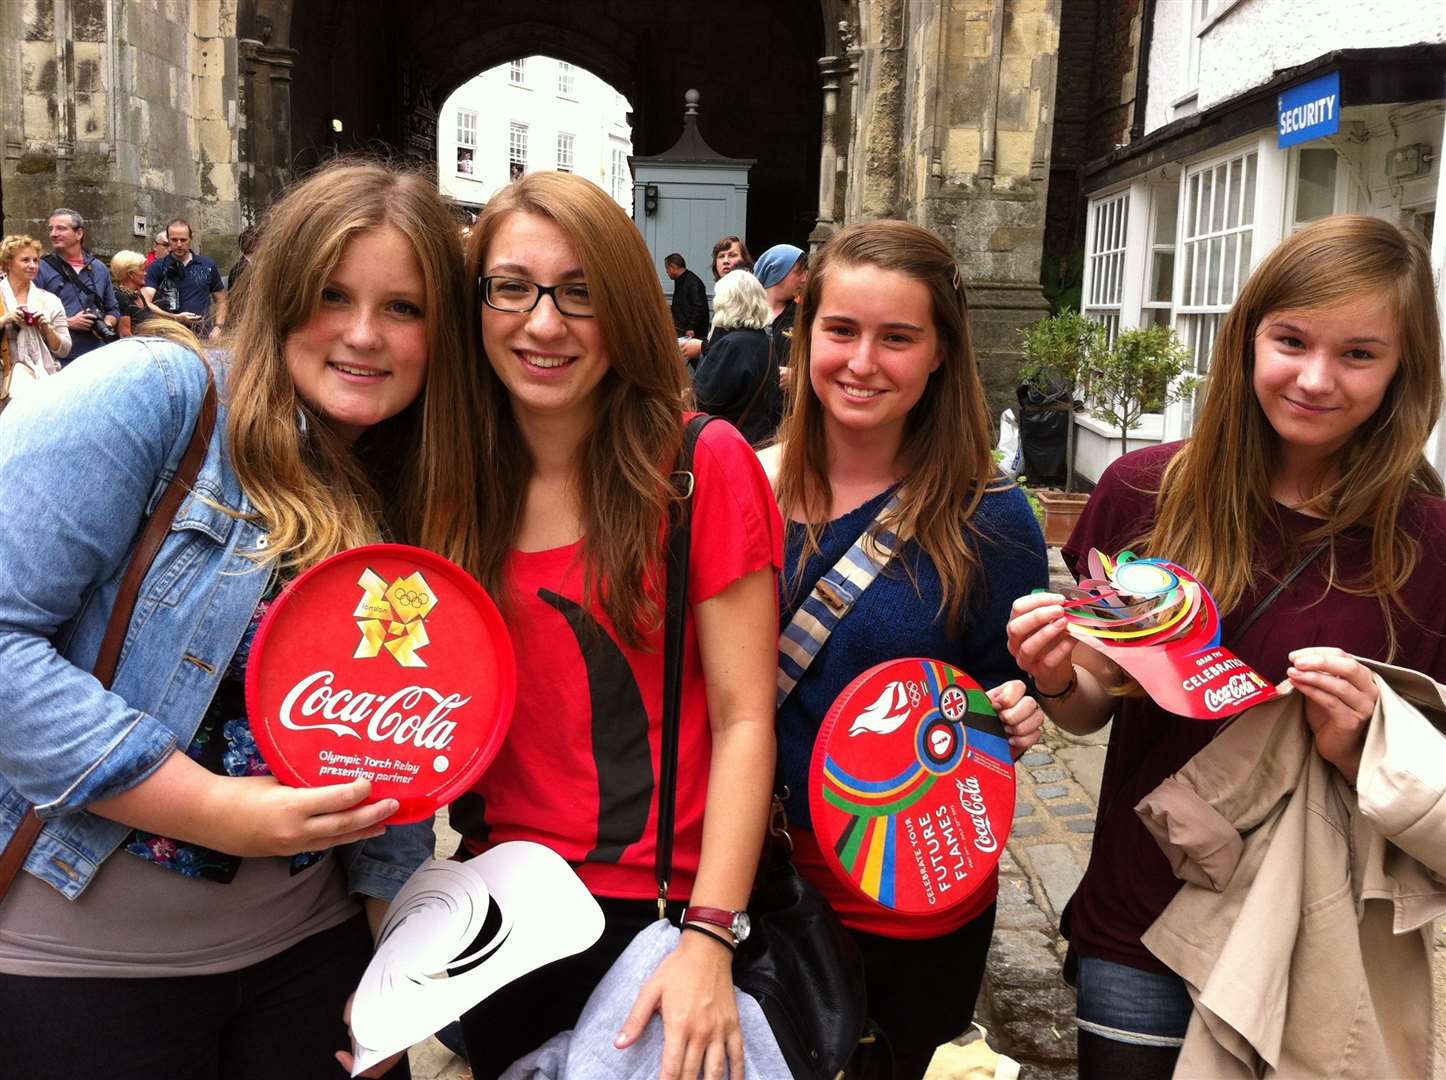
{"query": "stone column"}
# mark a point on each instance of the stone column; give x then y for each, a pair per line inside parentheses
(266, 99)
(831, 67)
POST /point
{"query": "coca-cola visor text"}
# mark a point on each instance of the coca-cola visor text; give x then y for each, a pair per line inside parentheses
(387, 662)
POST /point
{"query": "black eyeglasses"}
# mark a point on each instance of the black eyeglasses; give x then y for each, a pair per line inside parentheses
(573, 299)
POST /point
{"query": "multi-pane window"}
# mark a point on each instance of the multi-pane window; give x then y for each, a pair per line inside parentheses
(1217, 230)
(516, 150)
(1160, 273)
(564, 152)
(517, 72)
(466, 141)
(619, 175)
(1105, 272)
(566, 78)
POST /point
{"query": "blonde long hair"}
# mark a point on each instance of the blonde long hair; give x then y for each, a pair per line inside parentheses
(1215, 494)
(947, 462)
(410, 478)
(624, 461)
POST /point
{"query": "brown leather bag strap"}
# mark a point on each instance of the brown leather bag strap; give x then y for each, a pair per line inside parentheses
(157, 526)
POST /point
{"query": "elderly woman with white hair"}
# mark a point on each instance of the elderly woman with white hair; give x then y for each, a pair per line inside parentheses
(735, 379)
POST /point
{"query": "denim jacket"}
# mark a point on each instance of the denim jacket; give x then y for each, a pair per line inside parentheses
(83, 462)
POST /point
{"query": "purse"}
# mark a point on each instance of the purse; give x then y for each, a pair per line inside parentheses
(142, 556)
(798, 962)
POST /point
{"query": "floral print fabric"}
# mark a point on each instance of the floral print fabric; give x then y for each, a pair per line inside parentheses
(222, 744)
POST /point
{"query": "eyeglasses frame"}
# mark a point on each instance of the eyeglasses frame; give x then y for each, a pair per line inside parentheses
(542, 290)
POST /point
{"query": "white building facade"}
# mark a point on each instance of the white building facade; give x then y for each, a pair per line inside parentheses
(534, 113)
(1178, 218)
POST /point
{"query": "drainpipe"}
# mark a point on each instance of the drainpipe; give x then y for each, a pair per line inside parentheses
(1142, 70)
(991, 104)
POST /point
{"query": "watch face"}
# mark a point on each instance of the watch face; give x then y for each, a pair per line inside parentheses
(742, 926)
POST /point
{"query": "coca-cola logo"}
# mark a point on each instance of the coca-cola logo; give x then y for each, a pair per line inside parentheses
(1237, 689)
(413, 715)
(971, 798)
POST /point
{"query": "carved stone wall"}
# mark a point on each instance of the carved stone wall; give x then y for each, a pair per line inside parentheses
(121, 110)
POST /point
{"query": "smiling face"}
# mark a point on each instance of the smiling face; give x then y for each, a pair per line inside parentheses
(65, 237)
(1320, 374)
(362, 357)
(872, 349)
(550, 364)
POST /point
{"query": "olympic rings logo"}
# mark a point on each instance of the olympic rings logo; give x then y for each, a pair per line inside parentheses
(412, 597)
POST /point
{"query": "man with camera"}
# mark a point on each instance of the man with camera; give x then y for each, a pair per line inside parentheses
(83, 284)
(186, 286)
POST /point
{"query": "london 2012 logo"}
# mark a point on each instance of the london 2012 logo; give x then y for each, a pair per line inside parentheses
(393, 617)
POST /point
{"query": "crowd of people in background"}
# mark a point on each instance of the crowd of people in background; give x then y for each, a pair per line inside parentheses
(531, 397)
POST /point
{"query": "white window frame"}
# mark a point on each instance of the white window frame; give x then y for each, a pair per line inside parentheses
(1292, 184)
(620, 175)
(566, 151)
(517, 71)
(566, 79)
(1106, 252)
(516, 149)
(467, 140)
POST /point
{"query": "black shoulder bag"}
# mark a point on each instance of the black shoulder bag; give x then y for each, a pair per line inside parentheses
(798, 962)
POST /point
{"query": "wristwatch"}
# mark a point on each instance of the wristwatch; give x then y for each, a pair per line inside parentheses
(735, 922)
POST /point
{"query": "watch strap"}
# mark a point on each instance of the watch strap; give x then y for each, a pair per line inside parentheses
(713, 916)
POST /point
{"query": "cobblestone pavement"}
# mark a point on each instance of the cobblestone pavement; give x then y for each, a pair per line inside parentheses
(1025, 1004)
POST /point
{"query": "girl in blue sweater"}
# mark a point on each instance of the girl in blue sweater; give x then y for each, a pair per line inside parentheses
(888, 400)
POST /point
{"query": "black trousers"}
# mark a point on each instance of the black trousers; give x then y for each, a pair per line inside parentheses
(276, 1020)
(922, 992)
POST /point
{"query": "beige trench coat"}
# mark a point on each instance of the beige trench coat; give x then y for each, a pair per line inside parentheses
(1304, 928)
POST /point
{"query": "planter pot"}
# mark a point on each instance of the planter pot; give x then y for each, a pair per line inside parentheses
(1061, 511)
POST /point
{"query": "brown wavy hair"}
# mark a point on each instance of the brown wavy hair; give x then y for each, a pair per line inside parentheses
(410, 478)
(1215, 493)
(624, 463)
(945, 456)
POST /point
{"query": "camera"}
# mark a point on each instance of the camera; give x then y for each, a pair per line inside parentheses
(30, 317)
(100, 328)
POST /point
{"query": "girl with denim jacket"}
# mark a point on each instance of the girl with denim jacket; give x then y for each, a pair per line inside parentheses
(182, 913)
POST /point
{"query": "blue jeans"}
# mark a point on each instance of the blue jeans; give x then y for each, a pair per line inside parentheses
(1125, 1004)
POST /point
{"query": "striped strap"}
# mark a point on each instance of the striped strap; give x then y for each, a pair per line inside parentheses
(832, 597)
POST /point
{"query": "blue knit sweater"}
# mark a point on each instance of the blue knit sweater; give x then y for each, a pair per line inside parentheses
(895, 619)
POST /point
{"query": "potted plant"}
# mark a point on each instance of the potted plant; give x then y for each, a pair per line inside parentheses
(1057, 350)
(1143, 371)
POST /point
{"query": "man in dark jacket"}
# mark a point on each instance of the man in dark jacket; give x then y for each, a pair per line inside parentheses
(81, 281)
(690, 298)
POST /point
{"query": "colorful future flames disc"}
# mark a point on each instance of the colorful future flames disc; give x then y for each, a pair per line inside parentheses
(387, 662)
(1158, 622)
(912, 786)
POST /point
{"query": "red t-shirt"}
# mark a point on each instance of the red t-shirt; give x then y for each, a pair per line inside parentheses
(1129, 882)
(578, 770)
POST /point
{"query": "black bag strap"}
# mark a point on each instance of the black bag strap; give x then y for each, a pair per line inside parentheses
(675, 619)
(153, 533)
(69, 273)
(1310, 557)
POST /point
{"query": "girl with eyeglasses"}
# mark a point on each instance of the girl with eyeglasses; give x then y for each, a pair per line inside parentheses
(583, 396)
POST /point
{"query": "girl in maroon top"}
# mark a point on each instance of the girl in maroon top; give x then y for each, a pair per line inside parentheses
(1324, 385)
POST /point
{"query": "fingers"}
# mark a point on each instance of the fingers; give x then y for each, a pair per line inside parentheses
(715, 1060)
(643, 1008)
(1005, 695)
(1339, 682)
(735, 1054)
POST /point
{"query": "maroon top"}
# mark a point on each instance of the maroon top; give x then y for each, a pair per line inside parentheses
(1128, 882)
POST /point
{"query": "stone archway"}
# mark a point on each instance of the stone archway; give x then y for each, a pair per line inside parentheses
(304, 66)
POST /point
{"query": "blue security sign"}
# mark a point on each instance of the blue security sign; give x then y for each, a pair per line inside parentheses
(1309, 111)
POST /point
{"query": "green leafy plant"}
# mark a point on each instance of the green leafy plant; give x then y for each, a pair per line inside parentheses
(1023, 482)
(1143, 371)
(1057, 350)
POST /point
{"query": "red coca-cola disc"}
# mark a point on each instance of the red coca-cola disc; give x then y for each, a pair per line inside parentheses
(388, 662)
(911, 787)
